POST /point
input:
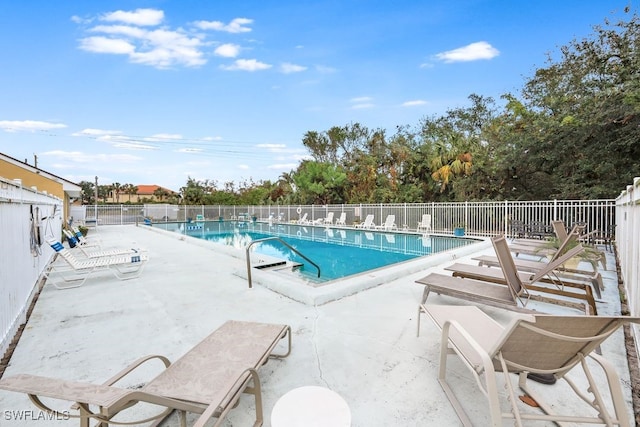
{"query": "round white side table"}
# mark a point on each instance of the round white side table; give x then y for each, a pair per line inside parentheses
(311, 406)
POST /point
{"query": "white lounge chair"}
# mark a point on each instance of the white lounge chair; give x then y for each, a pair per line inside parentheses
(303, 219)
(208, 380)
(341, 221)
(539, 344)
(329, 218)
(93, 250)
(425, 224)
(76, 271)
(389, 223)
(368, 223)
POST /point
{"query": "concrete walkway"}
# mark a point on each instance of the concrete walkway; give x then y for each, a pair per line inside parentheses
(363, 346)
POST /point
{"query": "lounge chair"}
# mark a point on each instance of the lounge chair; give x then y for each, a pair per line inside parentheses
(93, 250)
(562, 272)
(540, 283)
(425, 224)
(559, 230)
(368, 222)
(341, 221)
(531, 344)
(389, 223)
(328, 219)
(513, 297)
(76, 271)
(303, 219)
(209, 380)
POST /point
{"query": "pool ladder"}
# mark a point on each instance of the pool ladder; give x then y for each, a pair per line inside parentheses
(281, 241)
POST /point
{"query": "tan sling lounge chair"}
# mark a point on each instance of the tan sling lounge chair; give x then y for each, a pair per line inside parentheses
(74, 272)
(560, 273)
(514, 297)
(559, 230)
(538, 283)
(207, 380)
(538, 344)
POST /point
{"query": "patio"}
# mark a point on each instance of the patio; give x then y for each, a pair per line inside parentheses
(363, 346)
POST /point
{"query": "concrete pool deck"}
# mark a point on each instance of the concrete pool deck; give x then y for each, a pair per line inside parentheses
(362, 346)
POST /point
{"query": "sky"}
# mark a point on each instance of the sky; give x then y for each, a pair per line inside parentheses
(157, 92)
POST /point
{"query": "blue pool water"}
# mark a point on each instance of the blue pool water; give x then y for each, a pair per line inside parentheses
(339, 252)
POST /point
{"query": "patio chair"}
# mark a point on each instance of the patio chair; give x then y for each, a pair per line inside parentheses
(559, 230)
(341, 221)
(93, 250)
(368, 222)
(424, 224)
(539, 283)
(208, 380)
(513, 297)
(76, 271)
(328, 219)
(562, 272)
(303, 219)
(389, 223)
(531, 344)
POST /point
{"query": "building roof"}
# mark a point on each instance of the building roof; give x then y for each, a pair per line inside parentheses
(71, 188)
(149, 189)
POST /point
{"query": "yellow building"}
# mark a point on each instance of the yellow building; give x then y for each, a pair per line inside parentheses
(31, 176)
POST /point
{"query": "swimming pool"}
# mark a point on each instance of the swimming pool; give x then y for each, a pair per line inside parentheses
(339, 252)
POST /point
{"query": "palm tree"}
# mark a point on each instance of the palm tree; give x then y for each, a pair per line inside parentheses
(116, 187)
(130, 189)
(160, 193)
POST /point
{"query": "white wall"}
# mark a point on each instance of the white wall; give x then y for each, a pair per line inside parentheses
(22, 260)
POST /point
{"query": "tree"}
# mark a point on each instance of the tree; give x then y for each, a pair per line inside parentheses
(130, 189)
(160, 193)
(319, 183)
(115, 189)
(88, 192)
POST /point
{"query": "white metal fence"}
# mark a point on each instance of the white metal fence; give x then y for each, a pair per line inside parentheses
(25, 214)
(478, 218)
(628, 243)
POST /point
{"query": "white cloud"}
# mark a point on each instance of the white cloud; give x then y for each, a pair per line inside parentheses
(415, 103)
(160, 48)
(325, 70)
(143, 17)
(190, 150)
(361, 99)
(164, 137)
(227, 50)
(80, 157)
(107, 45)
(237, 25)
(28, 125)
(244, 167)
(96, 132)
(288, 68)
(361, 102)
(246, 65)
(471, 52)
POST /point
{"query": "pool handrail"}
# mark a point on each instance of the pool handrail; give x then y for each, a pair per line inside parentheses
(284, 243)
